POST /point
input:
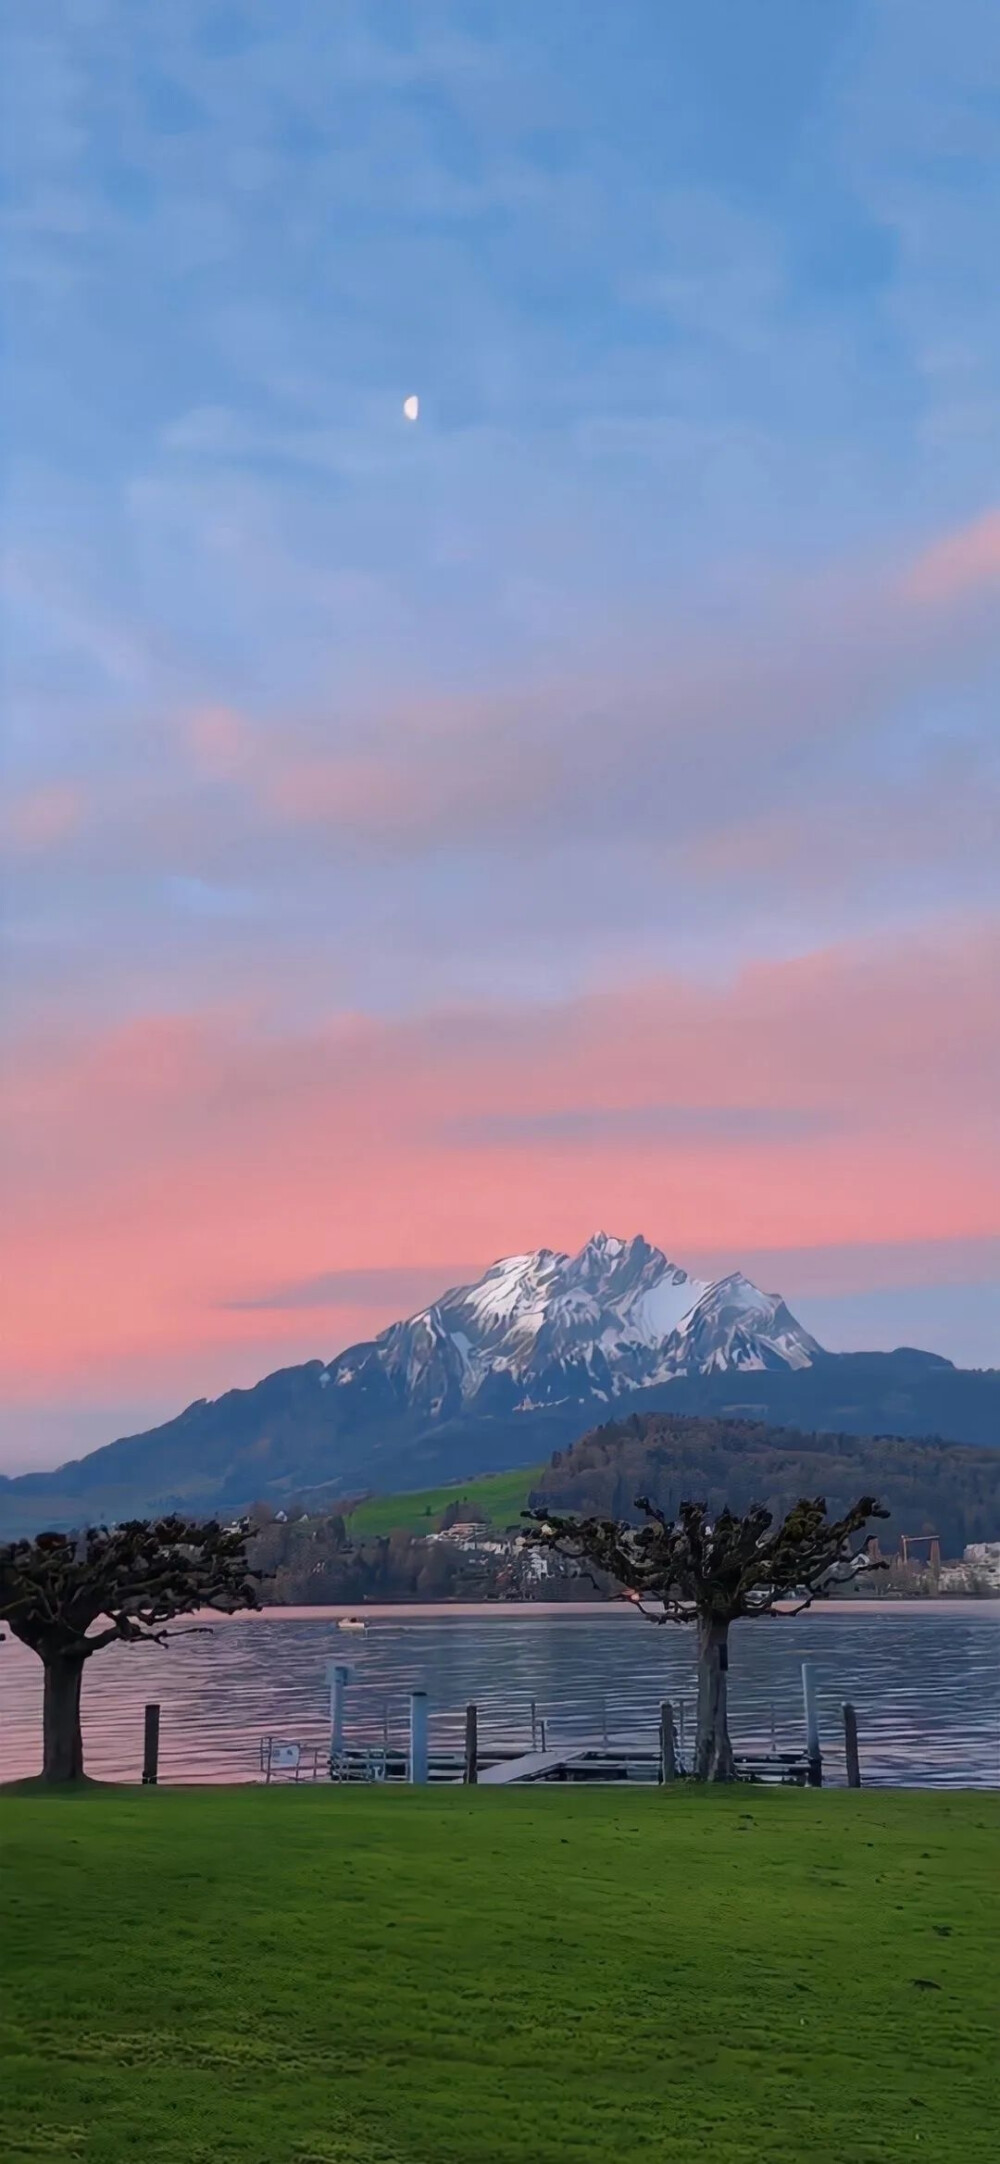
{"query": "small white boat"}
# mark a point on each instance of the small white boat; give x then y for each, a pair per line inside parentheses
(351, 1623)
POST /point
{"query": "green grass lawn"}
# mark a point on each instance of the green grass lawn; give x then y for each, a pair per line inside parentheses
(498, 1500)
(284, 1976)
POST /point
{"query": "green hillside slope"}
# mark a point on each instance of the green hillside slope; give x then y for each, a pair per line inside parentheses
(496, 1500)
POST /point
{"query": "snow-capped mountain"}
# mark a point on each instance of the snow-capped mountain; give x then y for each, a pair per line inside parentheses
(551, 1329)
(501, 1373)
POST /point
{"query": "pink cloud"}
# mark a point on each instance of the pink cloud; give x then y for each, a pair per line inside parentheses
(220, 741)
(41, 819)
(866, 829)
(163, 1169)
(676, 743)
(962, 563)
(652, 740)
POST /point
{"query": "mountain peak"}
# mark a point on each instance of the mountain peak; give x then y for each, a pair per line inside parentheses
(546, 1328)
(610, 1245)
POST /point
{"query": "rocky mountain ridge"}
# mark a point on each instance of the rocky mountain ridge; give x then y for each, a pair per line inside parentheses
(548, 1328)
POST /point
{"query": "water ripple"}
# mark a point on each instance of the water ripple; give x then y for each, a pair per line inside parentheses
(925, 1681)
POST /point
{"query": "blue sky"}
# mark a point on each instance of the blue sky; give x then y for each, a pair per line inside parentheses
(663, 650)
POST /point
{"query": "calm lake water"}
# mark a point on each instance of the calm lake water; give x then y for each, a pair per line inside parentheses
(925, 1679)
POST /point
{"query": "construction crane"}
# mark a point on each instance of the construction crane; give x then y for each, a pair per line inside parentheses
(932, 1542)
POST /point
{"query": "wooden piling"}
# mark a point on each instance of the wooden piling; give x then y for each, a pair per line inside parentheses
(471, 1773)
(418, 1738)
(813, 1751)
(339, 1677)
(151, 1747)
(851, 1746)
(668, 1744)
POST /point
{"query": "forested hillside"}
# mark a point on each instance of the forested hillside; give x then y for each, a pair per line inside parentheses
(927, 1486)
(380, 1550)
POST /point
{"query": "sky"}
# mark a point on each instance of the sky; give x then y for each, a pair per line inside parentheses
(576, 809)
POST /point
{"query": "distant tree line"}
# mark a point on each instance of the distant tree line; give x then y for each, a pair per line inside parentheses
(313, 1561)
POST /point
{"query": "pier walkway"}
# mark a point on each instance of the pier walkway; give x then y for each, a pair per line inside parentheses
(533, 1766)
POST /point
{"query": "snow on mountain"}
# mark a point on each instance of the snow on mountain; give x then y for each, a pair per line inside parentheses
(735, 1325)
(549, 1329)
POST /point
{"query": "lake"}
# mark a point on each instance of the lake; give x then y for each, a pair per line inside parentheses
(924, 1676)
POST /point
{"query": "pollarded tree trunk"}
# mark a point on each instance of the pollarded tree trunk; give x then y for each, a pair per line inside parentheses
(713, 1756)
(62, 1746)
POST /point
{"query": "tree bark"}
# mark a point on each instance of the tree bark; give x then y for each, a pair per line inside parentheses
(62, 1746)
(713, 1757)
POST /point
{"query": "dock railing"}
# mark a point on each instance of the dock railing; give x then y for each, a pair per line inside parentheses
(545, 1743)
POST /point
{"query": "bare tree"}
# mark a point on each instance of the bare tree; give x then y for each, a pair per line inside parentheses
(713, 1572)
(136, 1578)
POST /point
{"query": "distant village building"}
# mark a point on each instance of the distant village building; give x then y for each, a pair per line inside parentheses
(536, 1562)
(469, 1533)
(983, 1556)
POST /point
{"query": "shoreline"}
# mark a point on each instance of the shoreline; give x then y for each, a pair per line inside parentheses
(580, 1611)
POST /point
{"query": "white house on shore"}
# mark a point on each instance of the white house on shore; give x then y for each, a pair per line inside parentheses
(983, 1556)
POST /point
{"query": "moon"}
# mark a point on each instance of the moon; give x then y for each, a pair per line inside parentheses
(411, 407)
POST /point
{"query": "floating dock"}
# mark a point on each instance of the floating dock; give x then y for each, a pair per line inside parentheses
(510, 1766)
(506, 1761)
